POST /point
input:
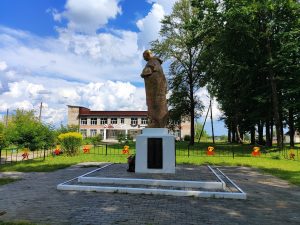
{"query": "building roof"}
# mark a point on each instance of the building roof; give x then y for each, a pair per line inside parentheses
(87, 112)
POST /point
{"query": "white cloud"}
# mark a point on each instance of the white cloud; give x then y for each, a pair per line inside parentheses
(3, 65)
(166, 4)
(89, 15)
(204, 97)
(150, 26)
(95, 70)
(57, 94)
(72, 56)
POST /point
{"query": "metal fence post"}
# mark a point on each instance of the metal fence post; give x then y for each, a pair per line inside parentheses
(105, 149)
(44, 153)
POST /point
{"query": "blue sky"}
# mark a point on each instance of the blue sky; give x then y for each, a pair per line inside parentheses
(78, 52)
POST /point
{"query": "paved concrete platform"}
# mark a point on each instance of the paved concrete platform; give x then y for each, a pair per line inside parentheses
(188, 181)
(35, 198)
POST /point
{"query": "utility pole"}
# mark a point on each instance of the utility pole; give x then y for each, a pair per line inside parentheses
(211, 120)
(204, 124)
(40, 115)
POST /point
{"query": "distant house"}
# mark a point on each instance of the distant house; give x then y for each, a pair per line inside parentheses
(296, 137)
(110, 124)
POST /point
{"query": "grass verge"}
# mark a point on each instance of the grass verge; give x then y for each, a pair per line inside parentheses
(7, 180)
(286, 169)
(16, 223)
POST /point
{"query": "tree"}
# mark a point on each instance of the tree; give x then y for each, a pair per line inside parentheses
(252, 55)
(178, 45)
(25, 130)
(3, 141)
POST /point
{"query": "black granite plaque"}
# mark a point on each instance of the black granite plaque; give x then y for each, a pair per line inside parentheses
(155, 153)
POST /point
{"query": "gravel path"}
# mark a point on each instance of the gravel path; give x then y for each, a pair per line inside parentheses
(35, 198)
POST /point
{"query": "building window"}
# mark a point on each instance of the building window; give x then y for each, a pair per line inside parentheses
(93, 132)
(134, 121)
(83, 132)
(144, 120)
(93, 121)
(103, 120)
(113, 120)
(101, 132)
(122, 121)
(83, 121)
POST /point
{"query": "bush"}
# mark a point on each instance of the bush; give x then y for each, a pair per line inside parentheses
(97, 140)
(3, 142)
(187, 137)
(24, 130)
(122, 138)
(70, 142)
(87, 141)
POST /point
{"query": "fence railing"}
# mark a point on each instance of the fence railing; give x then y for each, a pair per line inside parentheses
(14, 155)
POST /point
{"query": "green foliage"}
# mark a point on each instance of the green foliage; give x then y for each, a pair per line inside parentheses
(70, 142)
(122, 138)
(252, 53)
(3, 140)
(7, 180)
(69, 128)
(183, 48)
(223, 138)
(187, 138)
(96, 140)
(198, 129)
(87, 141)
(24, 130)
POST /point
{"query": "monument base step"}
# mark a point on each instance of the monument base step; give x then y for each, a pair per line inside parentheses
(221, 187)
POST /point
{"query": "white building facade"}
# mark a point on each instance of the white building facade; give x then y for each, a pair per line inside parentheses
(112, 124)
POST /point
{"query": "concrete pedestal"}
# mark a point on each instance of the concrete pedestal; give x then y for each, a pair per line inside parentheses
(143, 142)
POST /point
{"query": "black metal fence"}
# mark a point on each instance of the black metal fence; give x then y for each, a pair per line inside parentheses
(14, 155)
(227, 150)
(206, 150)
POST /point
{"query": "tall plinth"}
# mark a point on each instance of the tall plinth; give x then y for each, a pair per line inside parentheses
(155, 151)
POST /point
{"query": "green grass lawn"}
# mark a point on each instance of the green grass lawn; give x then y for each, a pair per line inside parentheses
(16, 223)
(7, 180)
(278, 166)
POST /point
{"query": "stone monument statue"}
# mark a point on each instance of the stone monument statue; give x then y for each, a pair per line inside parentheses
(156, 90)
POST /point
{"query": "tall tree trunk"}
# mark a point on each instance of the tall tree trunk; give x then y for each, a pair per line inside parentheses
(260, 130)
(291, 127)
(229, 134)
(252, 134)
(272, 131)
(233, 130)
(274, 97)
(268, 134)
(192, 110)
(281, 128)
(238, 135)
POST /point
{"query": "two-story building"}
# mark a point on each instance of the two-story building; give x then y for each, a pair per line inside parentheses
(110, 124)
